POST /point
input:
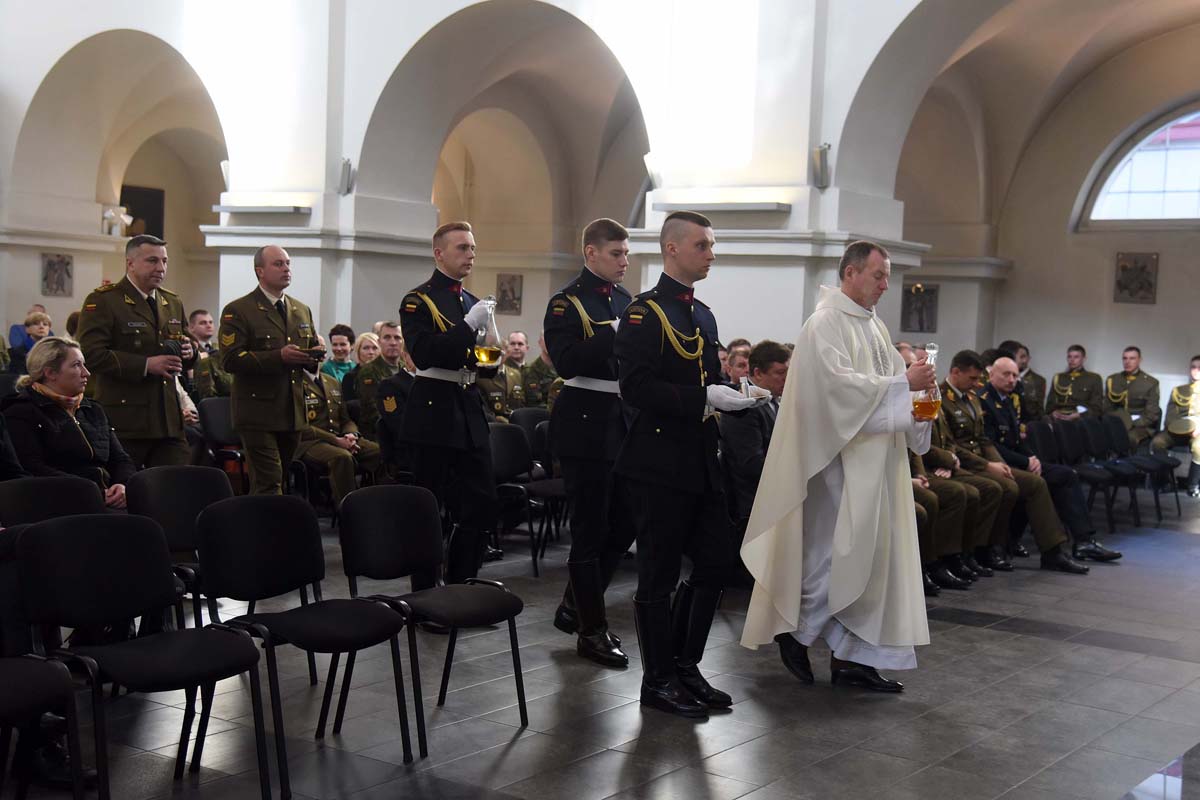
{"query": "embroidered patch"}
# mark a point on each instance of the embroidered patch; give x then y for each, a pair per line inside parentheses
(389, 405)
(227, 339)
(129, 302)
(227, 316)
(89, 306)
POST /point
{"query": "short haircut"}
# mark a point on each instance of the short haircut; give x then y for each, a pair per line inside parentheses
(36, 317)
(517, 333)
(1079, 349)
(603, 230)
(674, 222)
(856, 256)
(1195, 358)
(1132, 348)
(439, 236)
(390, 323)
(137, 241)
(739, 353)
(736, 343)
(966, 359)
(1012, 346)
(342, 330)
(766, 353)
(199, 312)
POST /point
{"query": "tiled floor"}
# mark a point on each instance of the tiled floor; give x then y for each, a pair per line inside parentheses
(1036, 685)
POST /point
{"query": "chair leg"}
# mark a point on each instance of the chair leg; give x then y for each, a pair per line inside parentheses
(446, 666)
(185, 735)
(533, 537)
(1133, 506)
(401, 706)
(100, 729)
(5, 743)
(74, 750)
(346, 677)
(1175, 489)
(23, 762)
(329, 681)
(206, 700)
(516, 655)
(260, 734)
(197, 609)
(1157, 505)
(285, 785)
(180, 622)
(418, 693)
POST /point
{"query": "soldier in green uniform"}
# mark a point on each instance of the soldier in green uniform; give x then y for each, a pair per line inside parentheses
(263, 337)
(944, 512)
(209, 379)
(553, 392)
(1076, 392)
(963, 415)
(331, 441)
(1132, 395)
(538, 377)
(370, 375)
(133, 338)
(1031, 387)
(1182, 428)
(503, 393)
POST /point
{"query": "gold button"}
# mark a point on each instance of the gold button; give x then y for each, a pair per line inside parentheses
(658, 430)
(585, 416)
(429, 402)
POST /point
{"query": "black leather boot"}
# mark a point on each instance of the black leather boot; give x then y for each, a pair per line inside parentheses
(795, 657)
(661, 689)
(566, 618)
(464, 553)
(1193, 480)
(691, 618)
(594, 643)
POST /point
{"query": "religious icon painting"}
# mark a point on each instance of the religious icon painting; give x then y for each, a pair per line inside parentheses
(58, 275)
(1136, 280)
(508, 293)
(919, 308)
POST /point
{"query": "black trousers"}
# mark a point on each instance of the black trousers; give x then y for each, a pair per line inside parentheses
(601, 520)
(1069, 501)
(464, 484)
(671, 524)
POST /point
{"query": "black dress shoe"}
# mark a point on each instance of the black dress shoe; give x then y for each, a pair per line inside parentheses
(701, 689)
(931, 588)
(795, 657)
(1090, 548)
(492, 553)
(993, 559)
(954, 564)
(976, 567)
(946, 579)
(672, 698)
(848, 673)
(599, 647)
(1193, 491)
(1018, 550)
(1059, 560)
(566, 620)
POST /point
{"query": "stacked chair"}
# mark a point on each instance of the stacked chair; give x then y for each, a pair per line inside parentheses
(1046, 445)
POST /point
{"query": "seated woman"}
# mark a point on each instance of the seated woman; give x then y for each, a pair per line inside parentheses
(56, 430)
(37, 327)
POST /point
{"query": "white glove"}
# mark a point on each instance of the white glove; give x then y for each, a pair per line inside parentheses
(477, 316)
(616, 323)
(725, 398)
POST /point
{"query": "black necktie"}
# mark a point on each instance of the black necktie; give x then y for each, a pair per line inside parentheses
(153, 308)
(282, 309)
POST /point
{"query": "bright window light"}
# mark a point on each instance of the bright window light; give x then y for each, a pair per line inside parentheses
(1158, 179)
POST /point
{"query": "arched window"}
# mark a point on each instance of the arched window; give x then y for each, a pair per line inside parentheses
(1157, 180)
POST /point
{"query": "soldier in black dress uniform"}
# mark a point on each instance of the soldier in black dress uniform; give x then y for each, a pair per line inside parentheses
(587, 427)
(444, 419)
(666, 348)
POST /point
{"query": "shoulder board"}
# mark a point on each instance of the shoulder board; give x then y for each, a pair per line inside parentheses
(467, 294)
(559, 302)
(411, 302)
(699, 302)
(167, 292)
(619, 289)
(649, 293)
(573, 284)
(108, 287)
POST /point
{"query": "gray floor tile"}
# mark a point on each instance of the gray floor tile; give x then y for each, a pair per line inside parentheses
(850, 773)
(422, 786)
(1119, 694)
(591, 778)
(1092, 772)
(925, 740)
(561, 707)
(515, 760)
(939, 783)
(1005, 757)
(1181, 706)
(1152, 739)
(687, 783)
(448, 743)
(331, 773)
(1163, 671)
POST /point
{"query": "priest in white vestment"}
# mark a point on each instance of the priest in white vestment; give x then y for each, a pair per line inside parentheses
(832, 539)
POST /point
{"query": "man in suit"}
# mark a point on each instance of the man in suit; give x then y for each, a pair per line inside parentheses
(1076, 392)
(265, 338)
(746, 437)
(1132, 394)
(132, 336)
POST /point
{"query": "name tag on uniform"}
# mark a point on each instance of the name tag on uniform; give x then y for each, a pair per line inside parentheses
(138, 324)
(303, 326)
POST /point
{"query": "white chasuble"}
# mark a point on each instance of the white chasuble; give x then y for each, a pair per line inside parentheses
(832, 539)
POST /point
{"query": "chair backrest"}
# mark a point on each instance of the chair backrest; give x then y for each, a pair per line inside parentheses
(1114, 431)
(174, 496)
(259, 546)
(8, 383)
(541, 446)
(28, 500)
(1097, 441)
(528, 419)
(388, 532)
(94, 569)
(1070, 438)
(1041, 435)
(510, 451)
(216, 418)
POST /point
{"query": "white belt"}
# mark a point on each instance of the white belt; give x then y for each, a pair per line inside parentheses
(463, 377)
(593, 384)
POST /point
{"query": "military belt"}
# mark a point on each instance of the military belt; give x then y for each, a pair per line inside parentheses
(593, 384)
(463, 377)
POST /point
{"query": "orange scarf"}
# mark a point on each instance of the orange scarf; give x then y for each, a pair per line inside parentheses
(68, 404)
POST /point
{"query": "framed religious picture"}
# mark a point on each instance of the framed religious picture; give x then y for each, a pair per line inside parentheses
(919, 308)
(508, 294)
(148, 209)
(58, 275)
(1136, 279)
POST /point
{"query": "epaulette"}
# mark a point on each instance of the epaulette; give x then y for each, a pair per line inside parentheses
(168, 292)
(699, 302)
(648, 293)
(468, 294)
(622, 290)
(108, 287)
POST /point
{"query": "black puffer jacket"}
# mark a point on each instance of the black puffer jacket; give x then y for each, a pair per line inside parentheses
(49, 442)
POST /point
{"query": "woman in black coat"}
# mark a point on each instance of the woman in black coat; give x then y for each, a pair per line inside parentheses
(56, 430)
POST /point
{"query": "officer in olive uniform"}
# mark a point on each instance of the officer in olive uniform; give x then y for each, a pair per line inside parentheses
(264, 338)
(538, 377)
(370, 375)
(945, 511)
(505, 392)
(587, 427)
(965, 417)
(209, 379)
(924, 540)
(1076, 392)
(391, 400)
(132, 334)
(1183, 415)
(1001, 426)
(1132, 395)
(444, 422)
(666, 348)
(331, 441)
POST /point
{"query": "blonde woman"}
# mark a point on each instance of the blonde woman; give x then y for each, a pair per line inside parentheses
(56, 430)
(366, 350)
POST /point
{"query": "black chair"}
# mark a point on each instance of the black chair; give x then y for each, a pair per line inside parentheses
(29, 686)
(28, 500)
(1042, 439)
(97, 569)
(173, 497)
(8, 383)
(512, 458)
(1126, 474)
(543, 453)
(390, 532)
(1157, 468)
(254, 548)
(527, 419)
(216, 418)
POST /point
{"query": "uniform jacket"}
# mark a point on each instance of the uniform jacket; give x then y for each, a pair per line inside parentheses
(670, 442)
(324, 411)
(117, 333)
(964, 422)
(267, 393)
(537, 378)
(209, 379)
(744, 442)
(391, 403)
(1032, 390)
(1075, 388)
(1126, 395)
(503, 393)
(1179, 404)
(1003, 428)
(366, 385)
(441, 413)
(585, 424)
(49, 442)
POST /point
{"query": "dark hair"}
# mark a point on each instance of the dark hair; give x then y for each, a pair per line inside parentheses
(1012, 346)
(439, 236)
(669, 229)
(966, 359)
(192, 316)
(766, 353)
(856, 255)
(341, 330)
(1134, 348)
(603, 230)
(137, 241)
(736, 343)
(1195, 358)
(72, 323)
(1078, 347)
(992, 354)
